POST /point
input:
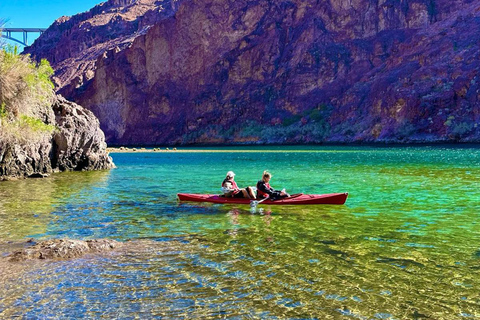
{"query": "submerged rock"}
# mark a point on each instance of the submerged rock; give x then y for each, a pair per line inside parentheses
(63, 249)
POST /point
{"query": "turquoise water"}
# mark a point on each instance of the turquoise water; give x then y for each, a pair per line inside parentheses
(405, 246)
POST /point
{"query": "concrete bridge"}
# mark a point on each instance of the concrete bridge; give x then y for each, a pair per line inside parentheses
(7, 33)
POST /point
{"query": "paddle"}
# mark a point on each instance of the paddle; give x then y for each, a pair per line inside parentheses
(254, 203)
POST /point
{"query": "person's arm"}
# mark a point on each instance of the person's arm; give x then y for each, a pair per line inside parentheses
(262, 187)
(270, 191)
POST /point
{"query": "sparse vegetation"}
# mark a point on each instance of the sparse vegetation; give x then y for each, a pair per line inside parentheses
(26, 93)
(24, 85)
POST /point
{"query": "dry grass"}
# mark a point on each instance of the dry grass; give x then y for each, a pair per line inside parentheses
(24, 85)
(26, 93)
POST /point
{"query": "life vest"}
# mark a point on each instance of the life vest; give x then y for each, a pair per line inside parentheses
(234, 186)
(260, 193)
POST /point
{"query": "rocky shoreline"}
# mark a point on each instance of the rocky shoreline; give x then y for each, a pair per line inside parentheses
(140, 149)
(252, 147)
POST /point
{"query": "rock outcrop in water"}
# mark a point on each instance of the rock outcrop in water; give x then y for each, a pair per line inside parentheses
(78, 144)
(70, 249)
(293, 71)
(63, 249)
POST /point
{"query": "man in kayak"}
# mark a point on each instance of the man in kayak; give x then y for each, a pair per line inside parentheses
(264, 190)
(230, 188)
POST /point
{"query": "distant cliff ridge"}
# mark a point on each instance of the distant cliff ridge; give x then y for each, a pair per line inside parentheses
(294, 71)
(73, 44)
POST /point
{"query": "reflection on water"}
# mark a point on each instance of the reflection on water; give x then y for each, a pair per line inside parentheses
(26, 205)
(405, 246)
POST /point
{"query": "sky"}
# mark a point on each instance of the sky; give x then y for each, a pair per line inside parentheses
(39, 13)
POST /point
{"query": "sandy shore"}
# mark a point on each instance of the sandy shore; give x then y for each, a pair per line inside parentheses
(126, 149)
(252, 149)
(188, 150)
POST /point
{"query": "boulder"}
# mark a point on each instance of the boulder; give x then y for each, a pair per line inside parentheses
(22, 161)
(78, 143)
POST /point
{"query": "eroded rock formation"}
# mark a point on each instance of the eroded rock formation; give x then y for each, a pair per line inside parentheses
(73, 44)
(224, 71)
(77, 144)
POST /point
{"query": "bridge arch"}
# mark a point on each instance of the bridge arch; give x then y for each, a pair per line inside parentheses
(7, 34)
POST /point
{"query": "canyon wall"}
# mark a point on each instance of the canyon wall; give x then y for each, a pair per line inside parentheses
(224, 71)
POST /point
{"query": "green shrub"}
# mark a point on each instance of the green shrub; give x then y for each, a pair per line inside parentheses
(25, 130)
(462, 128)
(291, 120)
(3, 110)
(36, 125)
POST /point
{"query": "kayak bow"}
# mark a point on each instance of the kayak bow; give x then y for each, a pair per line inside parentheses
(296, 199)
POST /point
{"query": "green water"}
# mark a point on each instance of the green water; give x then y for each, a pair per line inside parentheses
(405, 246)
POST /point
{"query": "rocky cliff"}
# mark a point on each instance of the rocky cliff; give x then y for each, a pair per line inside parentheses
(298, 71)
(73, 44)
(76, 144)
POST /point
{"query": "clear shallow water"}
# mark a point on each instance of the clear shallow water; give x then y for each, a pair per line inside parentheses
(406, 245)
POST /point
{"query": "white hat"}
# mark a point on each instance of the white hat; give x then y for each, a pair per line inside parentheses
(230, 174)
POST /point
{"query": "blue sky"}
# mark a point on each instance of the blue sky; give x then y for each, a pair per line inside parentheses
(40, 13)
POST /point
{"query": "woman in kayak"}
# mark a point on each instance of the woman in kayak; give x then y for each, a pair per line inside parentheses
(230, 188)
(264, 190)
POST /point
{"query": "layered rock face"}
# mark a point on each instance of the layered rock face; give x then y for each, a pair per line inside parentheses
(77, 144)
(73, 44)
(224, 71)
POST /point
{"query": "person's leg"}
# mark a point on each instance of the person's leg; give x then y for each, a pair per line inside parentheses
(245, 194)
(238, 194)
(251, 194)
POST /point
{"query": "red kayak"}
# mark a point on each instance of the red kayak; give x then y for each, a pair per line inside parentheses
(296, 199)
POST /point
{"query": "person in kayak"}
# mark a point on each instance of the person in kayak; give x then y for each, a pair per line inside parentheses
(230, 188)
(264, 190)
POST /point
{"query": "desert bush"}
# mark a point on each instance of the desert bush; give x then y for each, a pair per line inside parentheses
(26, 94)
(295, 132)
(461, 129)
(25, 86)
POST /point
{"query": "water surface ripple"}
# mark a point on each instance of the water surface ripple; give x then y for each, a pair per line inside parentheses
(405, 246)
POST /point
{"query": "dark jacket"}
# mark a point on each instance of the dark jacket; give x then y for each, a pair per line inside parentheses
(264, 188)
